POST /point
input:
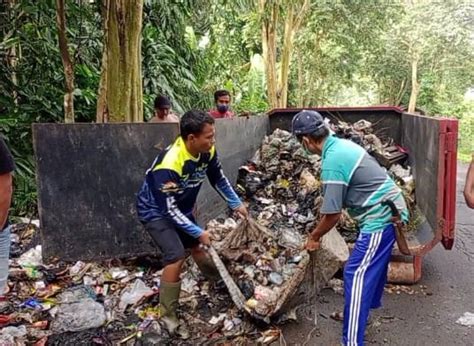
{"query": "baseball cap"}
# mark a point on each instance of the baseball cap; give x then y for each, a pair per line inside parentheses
(306, 122)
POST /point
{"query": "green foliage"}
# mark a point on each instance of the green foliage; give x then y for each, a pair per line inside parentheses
(171, 58)
(17, 136)
(32, 79)
(443, 47)
(346, 52)
(332, 48)
(230, 58)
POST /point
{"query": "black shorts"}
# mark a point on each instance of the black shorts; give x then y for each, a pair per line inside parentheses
(171, 240)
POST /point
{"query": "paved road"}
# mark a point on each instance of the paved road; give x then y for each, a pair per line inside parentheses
(420, 318)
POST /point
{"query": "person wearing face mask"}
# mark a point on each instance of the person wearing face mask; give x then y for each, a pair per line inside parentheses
(163, 112)
(166, 202)
(353, 179)
(222, 110)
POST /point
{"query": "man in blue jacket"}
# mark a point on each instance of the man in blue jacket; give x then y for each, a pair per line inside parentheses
(354, 180)
(166, 202)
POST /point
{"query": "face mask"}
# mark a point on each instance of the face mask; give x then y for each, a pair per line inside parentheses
(222, 108)
(305, 148)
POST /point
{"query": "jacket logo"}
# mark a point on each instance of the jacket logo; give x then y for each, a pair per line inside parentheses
(169, 186)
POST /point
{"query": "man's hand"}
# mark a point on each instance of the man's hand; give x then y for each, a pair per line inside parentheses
(242, 211)
(312, 244)
(204, 238)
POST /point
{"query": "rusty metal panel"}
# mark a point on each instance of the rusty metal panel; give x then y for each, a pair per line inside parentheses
(421, 136)
(236, 141)
(88, 176)
(450, 127)
(387, 120)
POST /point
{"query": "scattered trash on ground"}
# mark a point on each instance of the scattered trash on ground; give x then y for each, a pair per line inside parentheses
(408, 289)
(466, 320)
(110, 302)
(337, 285)
(117, 301)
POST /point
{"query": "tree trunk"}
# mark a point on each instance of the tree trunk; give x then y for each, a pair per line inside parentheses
(12, 61)
(102, 113)
(300, 79)
(269, 27)
(67, 63)
(120, 90)
(11, 57)
(282, 92)
(293, 21)
(403, 88)
(415, 86)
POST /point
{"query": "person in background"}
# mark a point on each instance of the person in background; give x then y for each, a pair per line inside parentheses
(222, 110)
(7, 167)
(469, 187)
(163, 112)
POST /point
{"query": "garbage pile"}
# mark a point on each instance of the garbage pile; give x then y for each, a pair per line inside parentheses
(271, 270)
(282, 181)
(114, 302)
(266, 266)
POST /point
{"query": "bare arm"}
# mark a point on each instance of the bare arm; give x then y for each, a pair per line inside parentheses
(328, 221)
(6, 190)
(469, 187)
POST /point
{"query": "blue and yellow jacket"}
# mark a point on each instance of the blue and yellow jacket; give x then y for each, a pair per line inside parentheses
(172, 185)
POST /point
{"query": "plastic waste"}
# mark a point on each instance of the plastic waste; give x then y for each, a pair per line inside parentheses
(466, 320)
(40, 285)
(133, 294)
(32, 303)
(81, 315)
(290, 239)
(32, 257)
(188, 284)
(216, 319)
(32, 272)
(275, 278)
(76, 268)
(76, 294)
(9, 335)
(118, 273)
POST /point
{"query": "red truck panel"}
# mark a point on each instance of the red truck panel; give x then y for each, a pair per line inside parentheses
(447, 180)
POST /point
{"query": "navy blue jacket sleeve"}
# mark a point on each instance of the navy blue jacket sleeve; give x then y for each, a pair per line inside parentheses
(221, 184)
(164, 184)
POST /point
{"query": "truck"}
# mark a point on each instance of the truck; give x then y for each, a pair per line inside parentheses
(88, 176)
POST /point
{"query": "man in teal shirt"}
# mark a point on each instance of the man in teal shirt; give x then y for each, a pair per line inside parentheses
(354, 180)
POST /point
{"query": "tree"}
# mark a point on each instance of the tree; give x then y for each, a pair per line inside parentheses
(330, 57)
(120, 91)
(293, 13)
(67, 63)
(172, 61)
(429, 52)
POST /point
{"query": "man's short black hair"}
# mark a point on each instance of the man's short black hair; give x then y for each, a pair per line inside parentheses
(220, 93)
(316, 136)
(161, 101)
(193, 122)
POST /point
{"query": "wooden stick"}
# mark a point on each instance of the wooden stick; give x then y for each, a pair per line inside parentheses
(237, 296)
